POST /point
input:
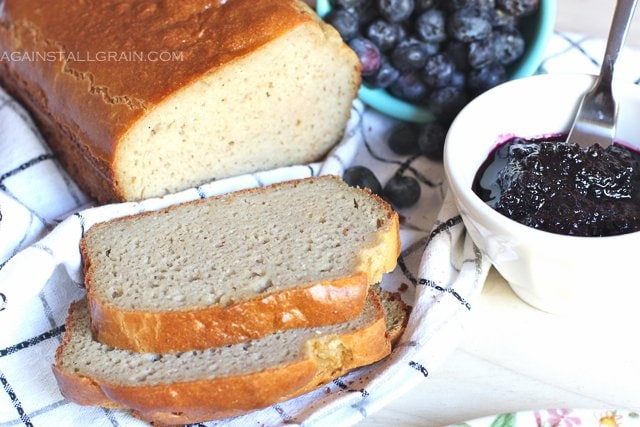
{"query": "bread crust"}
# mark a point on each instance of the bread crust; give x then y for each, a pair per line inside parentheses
(85, 106)
(313, 304)
(322, 303)
(325, 358)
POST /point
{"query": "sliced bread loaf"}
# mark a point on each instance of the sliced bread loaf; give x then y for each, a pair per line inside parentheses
(196, 386)
(236, 267)
(139, 99)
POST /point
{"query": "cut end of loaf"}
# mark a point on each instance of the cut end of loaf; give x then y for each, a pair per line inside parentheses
(285, 103)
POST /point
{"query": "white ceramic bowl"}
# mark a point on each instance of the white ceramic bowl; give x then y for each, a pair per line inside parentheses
(552, 272)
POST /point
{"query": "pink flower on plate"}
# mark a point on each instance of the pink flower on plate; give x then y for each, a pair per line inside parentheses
(557, 418)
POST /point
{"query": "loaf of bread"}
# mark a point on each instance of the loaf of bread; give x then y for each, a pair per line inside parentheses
(196, 386)
(139, 99)
(239, 266)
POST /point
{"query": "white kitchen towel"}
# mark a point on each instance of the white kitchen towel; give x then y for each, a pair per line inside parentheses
(440, 271)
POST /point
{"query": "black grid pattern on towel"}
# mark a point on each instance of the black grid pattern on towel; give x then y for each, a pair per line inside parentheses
(21, 405)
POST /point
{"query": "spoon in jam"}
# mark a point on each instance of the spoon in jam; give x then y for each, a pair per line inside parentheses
(595, 122)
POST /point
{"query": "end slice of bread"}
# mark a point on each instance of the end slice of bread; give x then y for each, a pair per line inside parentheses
(196, 386)
(396, 311)
(239, 266)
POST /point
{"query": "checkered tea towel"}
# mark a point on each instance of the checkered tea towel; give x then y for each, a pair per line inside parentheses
(440, 271)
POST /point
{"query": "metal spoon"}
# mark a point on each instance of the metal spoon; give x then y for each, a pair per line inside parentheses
(595, 122)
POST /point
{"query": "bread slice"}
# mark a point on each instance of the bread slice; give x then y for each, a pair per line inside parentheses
(396, 312)
(139, 99)
(196, 386)
(226, 269)
(396, 318)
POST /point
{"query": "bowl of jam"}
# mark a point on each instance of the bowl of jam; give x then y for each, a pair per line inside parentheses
(560, 223)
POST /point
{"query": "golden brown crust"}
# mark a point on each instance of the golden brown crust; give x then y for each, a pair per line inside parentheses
(224, 396)
(85, 102)
(81, 390)
(318, 304)
(192, 401)
(117, 92)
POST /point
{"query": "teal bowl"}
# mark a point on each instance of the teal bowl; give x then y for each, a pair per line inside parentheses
(536, 29)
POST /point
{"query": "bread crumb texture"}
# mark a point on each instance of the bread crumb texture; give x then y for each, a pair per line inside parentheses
(237, 246)
(262, 111)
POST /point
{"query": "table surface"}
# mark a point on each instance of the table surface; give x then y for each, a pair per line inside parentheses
(515, 358)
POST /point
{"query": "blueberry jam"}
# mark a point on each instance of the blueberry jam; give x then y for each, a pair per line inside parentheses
(548, 184)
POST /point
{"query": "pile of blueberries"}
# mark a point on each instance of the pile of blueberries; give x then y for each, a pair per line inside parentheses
(437, 53)
(440, 53)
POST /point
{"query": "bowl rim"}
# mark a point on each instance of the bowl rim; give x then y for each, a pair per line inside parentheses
(527, 65)
(465, 198)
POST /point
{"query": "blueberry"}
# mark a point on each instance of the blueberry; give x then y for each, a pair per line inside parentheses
(403, 139)
(431, 26)
(395, 10)
(409, 86)
(482, 79)
(487, 4)
(366, 13)
(384, 77)
(484, 5)
(503, 19)
(431, 140)
(385, 35)
(429, 48)
(469, 24)
(363, 177)
(344, 22)
(508, 45)
(410, 54)
(438, 70)
(518, 7)
(445, 103)
(402, 191)
(349, 3)
(368, 54)
(481, 52)
(458, 80)
(422, 5)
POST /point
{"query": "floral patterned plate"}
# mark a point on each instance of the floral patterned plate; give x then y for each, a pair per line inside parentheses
(559, 418)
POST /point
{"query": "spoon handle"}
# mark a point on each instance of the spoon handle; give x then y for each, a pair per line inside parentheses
(620, 24)
(595, 121)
